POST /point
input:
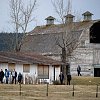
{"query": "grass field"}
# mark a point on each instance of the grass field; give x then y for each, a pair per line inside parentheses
(81, 80)
(85, 88)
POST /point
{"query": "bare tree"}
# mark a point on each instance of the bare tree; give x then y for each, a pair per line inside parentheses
(21, 16)
(69, 39)
(60, 9)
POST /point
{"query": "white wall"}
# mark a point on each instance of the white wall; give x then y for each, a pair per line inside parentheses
(3, 66)
(57, 72)
(19, 68)
(51, 73)
(34, 71)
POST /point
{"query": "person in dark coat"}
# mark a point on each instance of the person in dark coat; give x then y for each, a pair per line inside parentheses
(79, 70)
(61, 77)
(68, 79)
(14, 75)
(19, 77)
(1, 76)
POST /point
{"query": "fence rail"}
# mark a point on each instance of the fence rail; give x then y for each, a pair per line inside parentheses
(46, 90)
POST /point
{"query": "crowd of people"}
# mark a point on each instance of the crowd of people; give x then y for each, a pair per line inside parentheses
(6, 74)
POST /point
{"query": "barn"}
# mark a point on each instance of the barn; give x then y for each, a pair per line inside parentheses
(48, 39)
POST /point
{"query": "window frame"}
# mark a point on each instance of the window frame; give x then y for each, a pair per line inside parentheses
(26, 68)
(43, 71)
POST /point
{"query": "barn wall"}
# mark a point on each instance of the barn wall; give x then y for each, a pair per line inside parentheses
(3, 66)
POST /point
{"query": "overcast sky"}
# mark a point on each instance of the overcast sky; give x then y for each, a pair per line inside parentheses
(45, 9)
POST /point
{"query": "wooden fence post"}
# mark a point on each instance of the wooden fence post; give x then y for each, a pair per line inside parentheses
(47, 90)
(20, 88)
(97, 91)
(73, 90)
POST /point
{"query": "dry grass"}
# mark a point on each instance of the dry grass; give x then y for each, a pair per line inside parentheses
(81, 80)
(85, 91)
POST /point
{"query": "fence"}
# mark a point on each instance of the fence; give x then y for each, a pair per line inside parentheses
(46, 90)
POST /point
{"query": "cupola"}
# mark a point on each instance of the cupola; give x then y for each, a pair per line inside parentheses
(87, 16)
(69, 18)
(50, 20)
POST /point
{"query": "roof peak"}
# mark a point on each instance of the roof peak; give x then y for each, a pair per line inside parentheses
(87, 13)
(50, 17)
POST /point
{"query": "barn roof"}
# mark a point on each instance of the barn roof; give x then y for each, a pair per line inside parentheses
(60, 28)
(26, 58)
(43, 39)
(45, 43)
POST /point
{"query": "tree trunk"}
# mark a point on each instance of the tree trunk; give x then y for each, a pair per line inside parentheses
(64, 64)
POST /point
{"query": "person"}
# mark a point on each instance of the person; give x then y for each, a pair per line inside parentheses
(14, 75)
(1, 76)
(19, 77)
(6, 75)
(68, 79)
(79, 70)
(61, 77)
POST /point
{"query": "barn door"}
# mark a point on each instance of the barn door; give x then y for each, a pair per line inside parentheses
(96, 72)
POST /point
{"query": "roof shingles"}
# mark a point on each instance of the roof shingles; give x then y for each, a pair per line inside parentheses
(26, 58)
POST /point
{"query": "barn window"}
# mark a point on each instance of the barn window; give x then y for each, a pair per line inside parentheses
(11, 66)
(95, 33)
(43, 71)
(26, 68)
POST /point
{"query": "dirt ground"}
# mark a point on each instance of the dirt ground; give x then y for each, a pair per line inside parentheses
(49, 92)
(45, 98)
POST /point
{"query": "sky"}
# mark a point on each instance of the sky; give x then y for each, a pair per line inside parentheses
(44, 9)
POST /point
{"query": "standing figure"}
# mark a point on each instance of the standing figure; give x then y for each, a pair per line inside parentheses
(61, 77)
(6, 75)
(1, 76)
(68, 79)
(19, 77)
(14, 75)
(79, 70)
